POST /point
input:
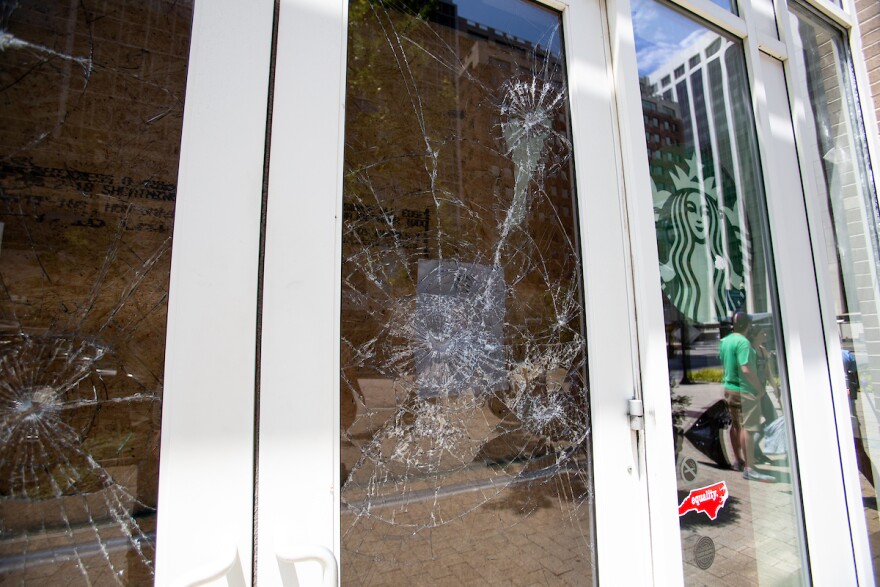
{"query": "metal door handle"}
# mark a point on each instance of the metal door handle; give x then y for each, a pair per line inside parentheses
(287, 559)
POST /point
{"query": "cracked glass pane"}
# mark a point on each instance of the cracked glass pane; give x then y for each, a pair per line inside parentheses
(465, 437)
(91, 99)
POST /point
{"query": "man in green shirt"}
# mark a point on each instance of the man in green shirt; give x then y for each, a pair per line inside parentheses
(743, 391)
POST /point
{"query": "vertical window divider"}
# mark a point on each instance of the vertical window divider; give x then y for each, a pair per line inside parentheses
(654, 376)
(206, 483)
(803, 335)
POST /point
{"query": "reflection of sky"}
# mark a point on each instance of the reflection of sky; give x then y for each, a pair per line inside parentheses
(661, 34)
(525, 20)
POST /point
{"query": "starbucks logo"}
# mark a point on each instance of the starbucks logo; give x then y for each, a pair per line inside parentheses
(701, 247)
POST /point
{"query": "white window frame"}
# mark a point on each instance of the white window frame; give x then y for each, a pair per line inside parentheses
(830, 542)
(299, 443)
(207, 475)
(206, 489)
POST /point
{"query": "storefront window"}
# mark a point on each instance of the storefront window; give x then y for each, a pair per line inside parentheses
(91, 99)
(836, 156)
(465, 438)
(738, 506)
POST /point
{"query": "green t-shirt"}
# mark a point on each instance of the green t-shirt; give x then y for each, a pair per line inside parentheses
(736, 351)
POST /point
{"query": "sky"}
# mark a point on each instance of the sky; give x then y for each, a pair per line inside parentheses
(660, 33)
(525, 20)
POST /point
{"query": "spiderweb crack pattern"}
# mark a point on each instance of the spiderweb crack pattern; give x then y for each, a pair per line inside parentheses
(90, 120)
(464, 397)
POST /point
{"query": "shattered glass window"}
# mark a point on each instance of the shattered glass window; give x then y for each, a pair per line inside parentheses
(465, 436)
(91, 99)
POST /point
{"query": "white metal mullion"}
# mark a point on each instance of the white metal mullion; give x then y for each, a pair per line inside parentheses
(298, 479)
(621, 508)
(654, 370)
(205, 521)
(790, 306)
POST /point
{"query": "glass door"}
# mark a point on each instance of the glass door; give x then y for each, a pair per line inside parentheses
(717, 196)
(465, 442)
(443, 323)
(737, 475)
(447, 345)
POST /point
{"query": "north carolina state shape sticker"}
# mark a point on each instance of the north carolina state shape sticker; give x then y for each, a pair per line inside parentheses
(709, 500)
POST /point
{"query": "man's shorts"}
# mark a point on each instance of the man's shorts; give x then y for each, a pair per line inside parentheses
(854, 419)
(745, 408)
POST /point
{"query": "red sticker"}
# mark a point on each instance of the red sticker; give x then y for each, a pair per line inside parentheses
(708, 500)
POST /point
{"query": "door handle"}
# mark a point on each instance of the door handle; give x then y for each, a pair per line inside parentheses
(227, 566)
(287, 559)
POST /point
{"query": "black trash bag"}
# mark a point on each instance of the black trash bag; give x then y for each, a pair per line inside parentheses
(705, 434)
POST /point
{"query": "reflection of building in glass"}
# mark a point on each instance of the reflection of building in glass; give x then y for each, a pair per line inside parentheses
(696, 95)
(664, 131)
(851, 223)
(503, 65)
(90, 131)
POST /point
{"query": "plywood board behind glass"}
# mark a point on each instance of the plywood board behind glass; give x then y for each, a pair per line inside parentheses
(465, 439)
(91, 102)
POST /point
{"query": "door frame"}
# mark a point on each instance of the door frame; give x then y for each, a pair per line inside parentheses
(216, 273)
(206, 490)
(828, 537)
(299, 435)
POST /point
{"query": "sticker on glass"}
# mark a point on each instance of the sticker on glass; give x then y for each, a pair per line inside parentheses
(708, 500)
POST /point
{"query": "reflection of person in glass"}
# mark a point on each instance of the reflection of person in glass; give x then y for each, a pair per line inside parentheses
(764, 362)
(696, 273)
(743, 391)
(852, 391)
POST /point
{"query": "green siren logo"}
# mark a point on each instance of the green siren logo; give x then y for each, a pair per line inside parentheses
(701, 250)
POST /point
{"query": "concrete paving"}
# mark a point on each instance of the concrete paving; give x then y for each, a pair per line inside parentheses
(540, 533)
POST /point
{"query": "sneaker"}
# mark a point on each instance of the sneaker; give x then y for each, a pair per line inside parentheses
(761, 458)
(753, 475)
(736, 467)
